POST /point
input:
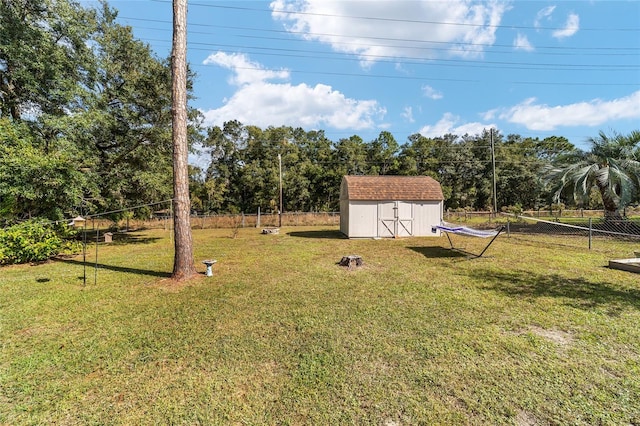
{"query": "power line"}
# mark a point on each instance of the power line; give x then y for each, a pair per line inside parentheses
(606, 49)
(412, 60)
(385, 19)
(564, 51)
(455, 63)
(404, 77)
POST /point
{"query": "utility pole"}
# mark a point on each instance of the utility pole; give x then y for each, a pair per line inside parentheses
(280, 211)
(493, 163)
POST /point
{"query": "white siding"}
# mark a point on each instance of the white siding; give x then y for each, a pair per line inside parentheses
(363, 218)
(344, 217)
(426, 215)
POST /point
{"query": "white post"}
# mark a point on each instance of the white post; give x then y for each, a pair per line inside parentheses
(493, 162)
(280, 212)
(258, 220)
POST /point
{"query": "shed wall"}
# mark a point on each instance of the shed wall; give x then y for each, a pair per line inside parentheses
(363, 219)
(427, 214)
(344, 217)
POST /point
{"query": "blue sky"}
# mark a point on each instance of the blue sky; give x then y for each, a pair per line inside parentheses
(533, 68)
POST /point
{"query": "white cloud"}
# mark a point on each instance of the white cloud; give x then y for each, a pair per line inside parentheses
(449, 124)
(245, 71)
(260, 102)
(407, 113)
(570, 28)
(490, 115)
(431, 93)
(542, 117)
(371, 28)
(543, 14)
(522, 43)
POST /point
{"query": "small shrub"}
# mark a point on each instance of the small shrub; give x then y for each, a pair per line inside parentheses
(515, 209)
(30, 241)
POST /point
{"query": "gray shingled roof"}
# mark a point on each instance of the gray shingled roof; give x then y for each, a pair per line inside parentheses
(388, 188)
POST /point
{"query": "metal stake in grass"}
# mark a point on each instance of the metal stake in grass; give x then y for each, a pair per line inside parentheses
(84, 253)
(95, 269)
(74, 222)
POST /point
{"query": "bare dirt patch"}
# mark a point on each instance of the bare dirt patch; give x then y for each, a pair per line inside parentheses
(526, 419)
(557, 336)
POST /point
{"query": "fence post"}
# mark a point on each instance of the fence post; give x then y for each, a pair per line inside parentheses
(508, 228)
(243, 219)
(590, 233)
(258, 219)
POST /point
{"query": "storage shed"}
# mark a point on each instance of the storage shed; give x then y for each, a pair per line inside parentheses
(390, 206)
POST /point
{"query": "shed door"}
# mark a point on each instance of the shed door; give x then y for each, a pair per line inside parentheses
(405, 219)
(395, 218)
(386, 219)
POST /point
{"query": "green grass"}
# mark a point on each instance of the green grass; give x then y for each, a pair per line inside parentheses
(535, 333)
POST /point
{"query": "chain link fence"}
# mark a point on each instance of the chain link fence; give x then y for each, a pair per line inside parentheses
(573, 228)
(585, 231)
(230, 221)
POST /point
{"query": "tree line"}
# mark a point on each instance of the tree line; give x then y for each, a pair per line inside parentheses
(85, 127)
(529, 173)
(243, 172)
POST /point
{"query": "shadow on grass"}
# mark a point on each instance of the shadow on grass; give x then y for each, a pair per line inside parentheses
(326, 234)
(438, 252)
(127, 238)
(119, 238)
(125, 269)
(579, 292)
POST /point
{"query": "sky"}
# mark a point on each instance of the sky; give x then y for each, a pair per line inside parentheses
(532, 68)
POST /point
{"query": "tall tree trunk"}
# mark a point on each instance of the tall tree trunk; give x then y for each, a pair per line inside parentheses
(183, 266)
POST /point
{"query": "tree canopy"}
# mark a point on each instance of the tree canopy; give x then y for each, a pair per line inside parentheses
(612, 166)
(85, 127)
(85, 112)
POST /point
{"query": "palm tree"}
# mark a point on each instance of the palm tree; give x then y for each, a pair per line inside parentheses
(612, 166)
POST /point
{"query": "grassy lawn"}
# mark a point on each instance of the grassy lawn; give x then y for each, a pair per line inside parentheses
(535, 333)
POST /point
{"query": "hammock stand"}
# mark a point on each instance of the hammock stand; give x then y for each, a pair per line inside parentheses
(448, 228)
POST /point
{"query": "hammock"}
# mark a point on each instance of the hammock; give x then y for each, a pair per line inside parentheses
(448, 228)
